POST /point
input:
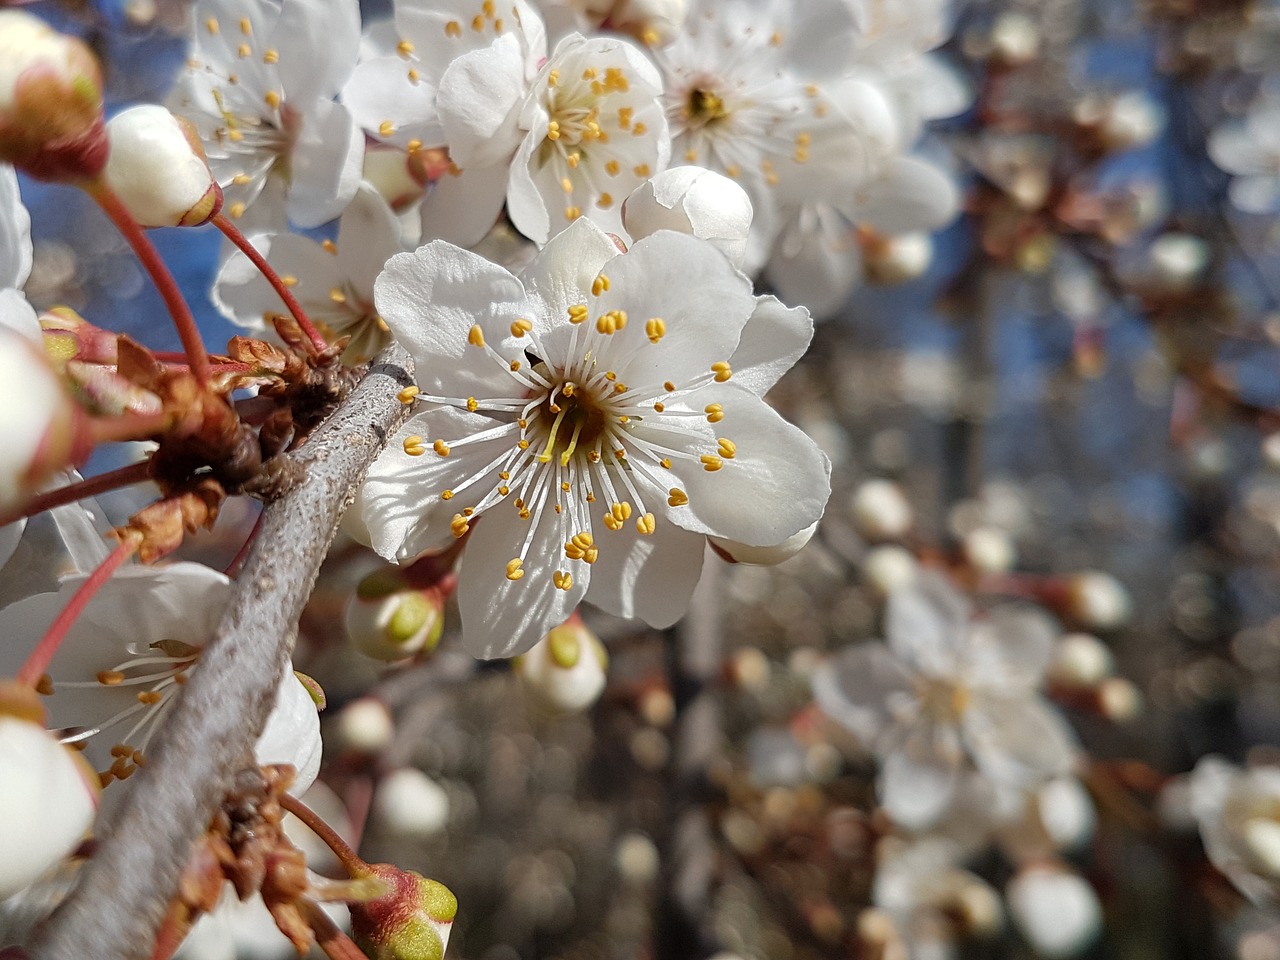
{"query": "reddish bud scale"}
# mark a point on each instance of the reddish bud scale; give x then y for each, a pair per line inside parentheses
(410, 922)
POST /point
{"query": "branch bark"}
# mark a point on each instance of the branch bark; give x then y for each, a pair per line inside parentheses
(119, 902)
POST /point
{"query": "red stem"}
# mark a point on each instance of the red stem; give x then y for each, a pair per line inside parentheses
(350, 859)
(38, 662)
(128, 426)
(233, 234)
(89, 487)
(151, 261)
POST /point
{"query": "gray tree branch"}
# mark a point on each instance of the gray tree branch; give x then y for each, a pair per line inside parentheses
(119, 902)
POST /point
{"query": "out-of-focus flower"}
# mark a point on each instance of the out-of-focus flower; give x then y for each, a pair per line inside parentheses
(408, 803)
(38, 420)
(1237, 812)
(51, 121)
(566, 668)
(1249, 148)
(880, 510)
(157, 168)
(260, 91)
(1055, 909)
(692, 200)
(949, 689)
(389, 621)
(122, 661)
(332, 280)
(595, 384)
(363, 726)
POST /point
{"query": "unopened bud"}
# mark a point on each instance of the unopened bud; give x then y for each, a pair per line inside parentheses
(695, 201)
(1119, 700)
(889, 568)
(37, 419)
(364, 726)
(408, 803)
(49, 797)
(566, 668)
(1080, 660)
(897, 259)
(977, 907)
(410, 922)
(157, 168)
(1098, 600)
(880, 511)
(1015, 39)
(989, 549)
(51, 123)
(1056, 910)
(388, 621)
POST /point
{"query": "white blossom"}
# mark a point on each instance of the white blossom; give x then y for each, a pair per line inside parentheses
(1249, 148)
(692, 200)
(1055, 909)
(1237, 813)
(260, 91)
(597, 388)
(947, 691)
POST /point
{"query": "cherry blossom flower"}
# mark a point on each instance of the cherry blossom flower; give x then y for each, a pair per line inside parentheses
(121, 664)
(157, 168)
(1249, 148)
(260, 91)
(1237, 812)
(947, 691)
(332, 280)
(596, 389)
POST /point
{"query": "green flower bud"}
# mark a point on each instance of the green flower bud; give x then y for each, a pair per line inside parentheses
(411, 922)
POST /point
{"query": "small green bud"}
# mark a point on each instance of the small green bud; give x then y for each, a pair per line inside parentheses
(387, 622)
(411, 922)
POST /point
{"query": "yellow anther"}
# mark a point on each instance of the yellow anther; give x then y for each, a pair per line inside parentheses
(513, 569)
(811, 89)
(405, 48)
(475, 336)
(691, 156)
(655, 328)
(668, 386)
(641, 170)
(245, 26)
(572, 213)
(776, 39)
(414, 446)
(520, 327)
(240, 179)
(611, 322)
(646, 525)
(605, 201)
(441, 448)
(212, 26)
(244, 50)
(570, 388)
(408, 395)
(714, 412)
(386, 128)
(553, 77)
(590, 73)
(514, 365)
(610, 376)
(477, 23)
(659, 407)
(523, 444)
(446, 494)
(665, 463)
(270, 55)
(573, 160)
(110, 678)
(624, 117)
(150, 698)
(564, 485)
(733, 171)
(582, 547)
(727, 448)
(620, 388)
(235, 136)
(722, 370)
(459, 525)
(710, 463)
(677, 497)
(504, 475)
(553, 130)
(594, 456)
(488, 8)
(639, 130)
(599, 285)
(330, 247)
(621, 511)
(562, 580)
(289, 280)
(453, 29)
(503, 490)
(337, 296)
(577, 313)
(472, 404)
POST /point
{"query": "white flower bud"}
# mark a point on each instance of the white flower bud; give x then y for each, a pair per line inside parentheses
(898, 258)
(1098, 600)
(989, 549)
(889, 568)
(157, 168)
(1174, 262)
(390, 624)
(1080, 660)
(566, 668)
(1015, 38)
(1066, 812)
(765, 556)
(1119, 700)
(695, 201)
(1056, 910)
(880, 511)
(37, 421)
(1131, 120)
(49, 797)
(364, 725)
(637, 859)
(408, 803)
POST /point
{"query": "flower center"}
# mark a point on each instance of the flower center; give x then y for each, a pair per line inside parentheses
(704, 107)
(577, 419)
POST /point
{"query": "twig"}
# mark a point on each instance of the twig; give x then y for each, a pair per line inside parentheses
(118, 905)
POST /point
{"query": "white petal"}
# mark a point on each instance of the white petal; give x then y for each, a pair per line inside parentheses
(1009, 649)
(431, 298)
(1260, 194)
(242, 294)
(316, 41)
(910, 195)
(368, 236)
(925, 624)
(564, 270)
(15, 232)
(478, 99)
(380, 90)
(647, 577)
(17, 314)
(463, 207)
(777, 483)
(502, 617)
(325, 164)
(856, 688)
(918, 775)
(1018, 741)
(525, 204)
(817, 264)
(292, 733)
